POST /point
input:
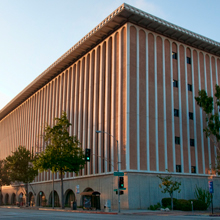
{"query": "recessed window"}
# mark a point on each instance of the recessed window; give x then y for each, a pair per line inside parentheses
(175, 83)
(188, 60)
(178, 168)
(193, 169)
(177, 140)
(189, 87)
(192, 144)
(174, 55)
(191, 115)
(176, 112)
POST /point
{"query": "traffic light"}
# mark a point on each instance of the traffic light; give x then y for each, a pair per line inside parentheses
(121, 182)
(87, 156)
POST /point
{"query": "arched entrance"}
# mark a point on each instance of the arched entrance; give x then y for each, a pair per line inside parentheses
(21, 199)
(56, 199)
(31, 199)
(69, 196)
(6, 199)
(13, 199)
(41, 199)
(90, 199)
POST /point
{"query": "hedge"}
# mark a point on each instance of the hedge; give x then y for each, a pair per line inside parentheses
(198, 205)
(167, 202)
(184, 205)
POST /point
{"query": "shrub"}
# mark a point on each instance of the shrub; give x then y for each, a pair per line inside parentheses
(166, 202)
(198, 205)
(183, 205)
(155, 207)
(203, 195)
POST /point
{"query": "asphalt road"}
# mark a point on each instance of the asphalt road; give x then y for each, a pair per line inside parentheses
(23, 214)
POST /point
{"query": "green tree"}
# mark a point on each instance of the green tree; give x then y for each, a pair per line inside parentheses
(170, 186)
(211, 106)
(4, 177)
(20, 168)
(62, 153)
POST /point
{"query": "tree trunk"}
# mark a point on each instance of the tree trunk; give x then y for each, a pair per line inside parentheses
(171, 196)
(26, 186)
(61, 184)
(53, 191)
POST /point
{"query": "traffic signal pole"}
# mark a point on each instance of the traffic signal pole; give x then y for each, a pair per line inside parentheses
(118, 182)
(118, 165)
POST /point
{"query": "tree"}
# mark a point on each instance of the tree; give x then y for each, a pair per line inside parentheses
(62, 153)
(4, 177)
(211, 109)
(20, 168)
(170, 186)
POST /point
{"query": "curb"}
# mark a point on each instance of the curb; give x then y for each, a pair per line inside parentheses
(176, 213)
(79, 211)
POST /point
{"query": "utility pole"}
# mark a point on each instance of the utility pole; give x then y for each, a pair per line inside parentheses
(98, 132)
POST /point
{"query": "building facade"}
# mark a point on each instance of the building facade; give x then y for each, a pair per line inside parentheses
(135, 77)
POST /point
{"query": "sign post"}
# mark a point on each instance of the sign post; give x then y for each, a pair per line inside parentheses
(211, 190)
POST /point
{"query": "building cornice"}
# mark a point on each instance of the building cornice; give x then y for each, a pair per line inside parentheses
(123, 14)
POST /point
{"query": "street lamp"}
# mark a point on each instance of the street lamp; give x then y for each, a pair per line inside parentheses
(98, 132)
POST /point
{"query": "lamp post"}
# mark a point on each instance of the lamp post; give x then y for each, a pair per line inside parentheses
(98, 132)
(53, 191)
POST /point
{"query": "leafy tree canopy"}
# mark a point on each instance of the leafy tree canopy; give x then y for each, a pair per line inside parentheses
(4, 175)
(62, 153)
(19, 166)
(211, 106)
(169, 185)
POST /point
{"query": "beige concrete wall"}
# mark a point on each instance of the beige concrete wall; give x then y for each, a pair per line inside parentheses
(143, 189)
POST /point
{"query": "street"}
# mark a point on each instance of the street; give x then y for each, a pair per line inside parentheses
(15, 213)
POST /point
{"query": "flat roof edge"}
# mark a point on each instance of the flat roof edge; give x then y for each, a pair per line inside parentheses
(78, 50)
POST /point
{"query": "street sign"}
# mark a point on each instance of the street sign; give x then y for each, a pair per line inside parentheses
(119, 189)
(211, 189)
(118, 174)
(77, 189)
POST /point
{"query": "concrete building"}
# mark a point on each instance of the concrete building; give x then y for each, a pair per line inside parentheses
(134, 76)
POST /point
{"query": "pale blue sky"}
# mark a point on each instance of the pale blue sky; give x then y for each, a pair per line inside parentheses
(35, 33)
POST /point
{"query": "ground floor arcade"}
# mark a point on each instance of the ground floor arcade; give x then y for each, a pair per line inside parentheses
(142, 190)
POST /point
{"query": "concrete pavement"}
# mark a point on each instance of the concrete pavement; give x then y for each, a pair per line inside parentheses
(126, 212)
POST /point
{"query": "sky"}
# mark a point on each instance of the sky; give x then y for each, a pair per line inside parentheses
(35, 33)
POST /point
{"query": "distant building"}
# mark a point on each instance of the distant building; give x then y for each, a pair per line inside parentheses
(134, 76)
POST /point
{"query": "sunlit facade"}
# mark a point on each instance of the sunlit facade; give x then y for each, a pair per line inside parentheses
(135, 77)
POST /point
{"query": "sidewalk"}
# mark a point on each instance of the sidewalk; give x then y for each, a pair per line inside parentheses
(216, 212)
